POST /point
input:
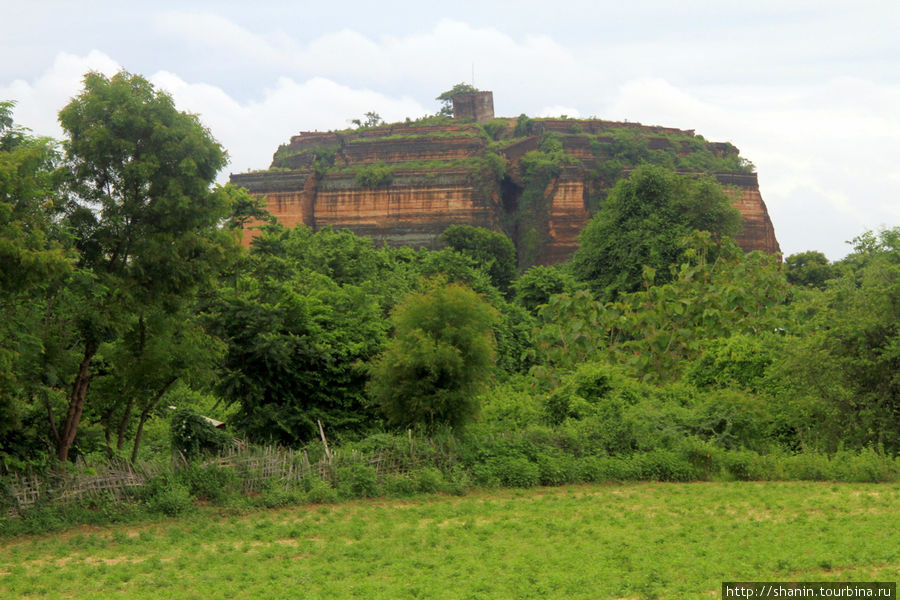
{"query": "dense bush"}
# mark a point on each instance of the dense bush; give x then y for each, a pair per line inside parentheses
(168, 496)
(440, 357)
(193, 435)
(357, 480)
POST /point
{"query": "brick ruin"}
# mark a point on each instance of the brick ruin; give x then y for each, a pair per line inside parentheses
(439, 175)
(474, 106)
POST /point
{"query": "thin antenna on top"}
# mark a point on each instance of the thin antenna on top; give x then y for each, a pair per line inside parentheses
(473, 74)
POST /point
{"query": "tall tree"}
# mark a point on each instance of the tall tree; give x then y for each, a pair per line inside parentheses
(493, 252)
(441, 354)
(641, 224)
(848, 367)
(141, 207)
(299, 328)
(34, 258)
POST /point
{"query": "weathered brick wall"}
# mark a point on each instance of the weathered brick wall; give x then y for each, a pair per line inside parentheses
(404, 150)
(418, 205)
(474, 106)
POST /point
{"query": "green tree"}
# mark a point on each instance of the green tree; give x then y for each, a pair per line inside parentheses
(493, 252)
(156, 350)
(141, 208)
(440, 357)
(641, 224)
(808, 269)
(35, 258)
(299, 327)
(846, 371)
(446, 98)
(656, 331)
(535, 286)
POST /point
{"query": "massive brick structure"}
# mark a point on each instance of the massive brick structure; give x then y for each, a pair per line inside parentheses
(403, 184)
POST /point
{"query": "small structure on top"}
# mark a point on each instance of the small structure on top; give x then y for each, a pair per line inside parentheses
(474, 106)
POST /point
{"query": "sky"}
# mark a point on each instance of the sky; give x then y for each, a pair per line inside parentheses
(809, 91)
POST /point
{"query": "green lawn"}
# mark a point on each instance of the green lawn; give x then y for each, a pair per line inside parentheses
(594, 541)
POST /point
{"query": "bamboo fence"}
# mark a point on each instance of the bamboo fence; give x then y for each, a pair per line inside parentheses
(254, 468)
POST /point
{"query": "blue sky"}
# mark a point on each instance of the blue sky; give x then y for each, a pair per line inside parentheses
(809, 91)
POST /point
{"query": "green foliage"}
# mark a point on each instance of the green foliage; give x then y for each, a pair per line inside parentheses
(493, 252)
(357, 480)
(655, 331)
(167, 496)
(441, 354)
(536, 285)
(510, 405)
(845, 372)
(209, 483)
(374, 176)
(146, 222)
(641, 226)
(295, 353)
(739, 361)
(524, 126)
(35, 259)
(497, 129)
(808, 269)
(193, 435)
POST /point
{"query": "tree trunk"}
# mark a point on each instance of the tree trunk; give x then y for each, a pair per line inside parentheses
(126, 415)
(123, 424)
(145, 414)
(76, 402)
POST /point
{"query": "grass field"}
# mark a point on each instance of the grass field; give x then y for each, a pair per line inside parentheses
(594, 541)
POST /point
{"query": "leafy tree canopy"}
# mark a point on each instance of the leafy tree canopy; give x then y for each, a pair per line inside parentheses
(493, 252)
(440, 356)
(808, 269)
(641, 225)
(146, 222)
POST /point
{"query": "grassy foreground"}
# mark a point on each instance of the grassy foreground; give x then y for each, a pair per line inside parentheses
(642, 540)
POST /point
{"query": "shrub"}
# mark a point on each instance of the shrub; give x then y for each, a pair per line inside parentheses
(733, 419)
(558, 469)
(507, 407)
(193, 435)
(357, 480)
(808, 467)
(457, 481)
(210, 483)
(483, 475)
(374, 176)
(166, 495)
(742, 465)
(663, 465)
(399, 485)
(515, 472)
(440, 358)
(865, 466)
(319, 491)
(429, 480)
(276, 494)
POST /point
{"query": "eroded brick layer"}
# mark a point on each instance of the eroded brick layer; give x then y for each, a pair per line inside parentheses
(416, 204)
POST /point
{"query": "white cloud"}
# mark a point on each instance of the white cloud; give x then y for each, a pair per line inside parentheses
(806, 91)
(825, 154)
(559, 111)
(38, 102)
(252, 131)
